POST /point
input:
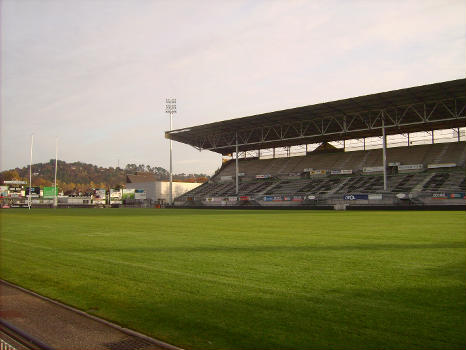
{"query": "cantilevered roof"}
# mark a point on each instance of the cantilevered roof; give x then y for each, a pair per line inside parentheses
(421, 108)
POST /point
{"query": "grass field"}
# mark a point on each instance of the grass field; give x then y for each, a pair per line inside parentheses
(230, 279)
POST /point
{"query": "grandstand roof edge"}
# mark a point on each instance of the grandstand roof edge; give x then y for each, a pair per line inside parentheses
(217, 136)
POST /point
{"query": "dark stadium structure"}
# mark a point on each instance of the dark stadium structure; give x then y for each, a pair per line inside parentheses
(421, 175)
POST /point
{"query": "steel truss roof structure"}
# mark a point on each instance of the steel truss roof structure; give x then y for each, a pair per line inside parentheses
(421, 108)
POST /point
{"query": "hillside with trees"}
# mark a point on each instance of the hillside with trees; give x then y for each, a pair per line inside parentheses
(82, 177)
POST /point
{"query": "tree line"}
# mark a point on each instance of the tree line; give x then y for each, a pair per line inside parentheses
(79, 177)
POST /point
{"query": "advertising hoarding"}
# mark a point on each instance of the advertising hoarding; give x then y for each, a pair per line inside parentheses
(441, 165)
(35, 192)
(377, 197)
(50, 192)
(341, 172)
(128, 193)
(3, 191)
(372, 169)
(115, 196)
(353, 197)
(410, 167)
(14, 182)
(99, 196)
(139, 194)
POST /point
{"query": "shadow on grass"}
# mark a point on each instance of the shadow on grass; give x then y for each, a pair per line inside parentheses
(389, 318)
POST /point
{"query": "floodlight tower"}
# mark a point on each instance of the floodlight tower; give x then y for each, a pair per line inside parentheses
(30, 174)
(170, 108)
(55, 198)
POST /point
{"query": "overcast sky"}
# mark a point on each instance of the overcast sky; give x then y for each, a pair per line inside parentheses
(96, 73)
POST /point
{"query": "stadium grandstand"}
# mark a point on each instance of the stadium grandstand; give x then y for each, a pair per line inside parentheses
(398, 148)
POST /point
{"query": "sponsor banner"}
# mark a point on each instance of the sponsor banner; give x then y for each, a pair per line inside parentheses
(128, 193)
(266, 176)
(287, 198)
(372, 169)
(441, 165)
(100, 194)
(341, 172)
(318, 172)
(354, 197)
(42, 201)
(217, 199)
(241, 174)
(15, 182)
(244, 198)
(226, 178)
(19, 205)
(297, 199)
(139, 194)
(15, 192)
(394, 163)
(443, 195)
(115, 196)
(268, 198)
(375, 197)
(410, 167)
(3, 191)
(277, 198)
(232, 199)
(209, 199)
(35, 192)
(50, 192)
(311, 197)
(294, 174)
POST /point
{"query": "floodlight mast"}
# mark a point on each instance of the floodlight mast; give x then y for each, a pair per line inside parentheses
(170, 108)
(55, 199)
(30, 174)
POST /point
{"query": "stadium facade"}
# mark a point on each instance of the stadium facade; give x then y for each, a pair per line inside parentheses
(328, 175)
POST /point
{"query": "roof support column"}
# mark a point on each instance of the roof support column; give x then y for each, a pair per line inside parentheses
(236, 166)
(384, 153)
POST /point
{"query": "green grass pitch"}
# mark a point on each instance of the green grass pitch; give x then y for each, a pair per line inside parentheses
(250, 279)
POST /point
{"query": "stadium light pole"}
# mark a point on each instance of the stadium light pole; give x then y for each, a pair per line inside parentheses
(55, 200)
(170, 108)
(30, 174)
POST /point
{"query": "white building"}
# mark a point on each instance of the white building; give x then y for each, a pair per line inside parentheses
(158, 190)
